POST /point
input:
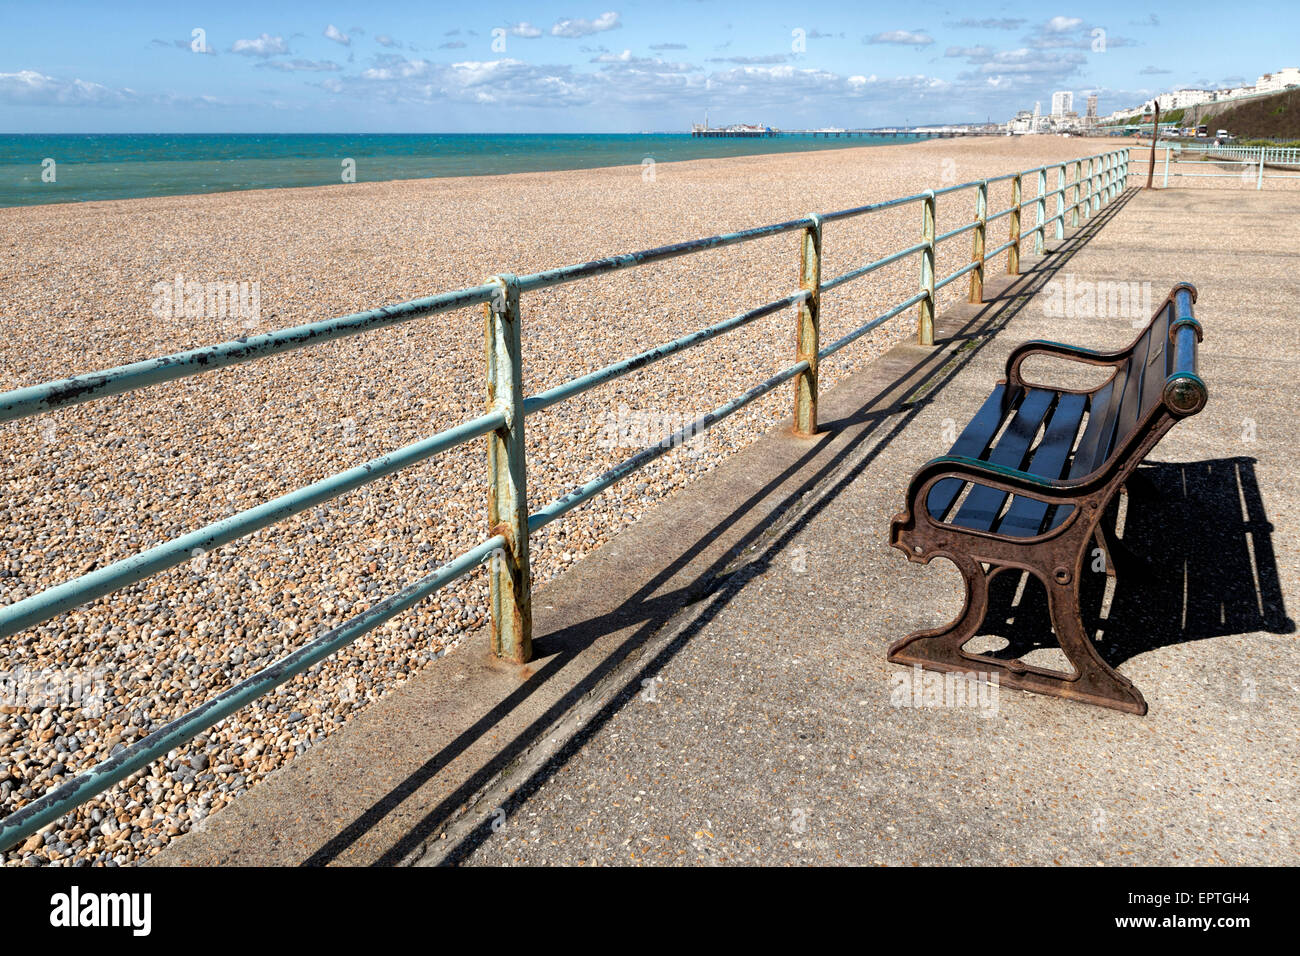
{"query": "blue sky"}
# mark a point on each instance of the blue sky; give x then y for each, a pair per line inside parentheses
(604, 65)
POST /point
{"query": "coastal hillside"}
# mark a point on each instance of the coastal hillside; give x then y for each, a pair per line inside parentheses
(1268, 117)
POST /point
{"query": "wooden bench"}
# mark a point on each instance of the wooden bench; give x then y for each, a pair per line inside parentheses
(1026, 485)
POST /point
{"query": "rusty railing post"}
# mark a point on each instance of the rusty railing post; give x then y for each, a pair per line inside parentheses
(977, 243)
(1087, 189)
(1094, 187)
(1074, 206)
(1013, 254)
(1060, 202)
(808, 337)
(1040, 210)
(925, 316)
(1155, 135)
(511, 582)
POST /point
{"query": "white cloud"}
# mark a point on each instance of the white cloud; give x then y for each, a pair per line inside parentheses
(1062, 24)
(751, 60)
(990, 23)
(904, 37)
(338, 36)
(301, 66)
(582, 28)
(972, 53)
(264, 45)
(30, 88)
(525, 30)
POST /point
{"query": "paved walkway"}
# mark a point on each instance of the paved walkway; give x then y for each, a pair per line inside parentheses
(712, 687)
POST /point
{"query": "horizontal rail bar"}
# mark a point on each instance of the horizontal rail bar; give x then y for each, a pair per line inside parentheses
(563, 505)
(618, 369)
(956, 232)
(35, 399)
(864, 329)
(47, 808)
(872, 207)
(62, 597)
(957, 275)
(870, 267)
(582, 270)
(1000, 249)
(952, 189)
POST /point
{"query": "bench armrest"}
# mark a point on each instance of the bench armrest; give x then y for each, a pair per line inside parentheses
(1011, 480)
(1060, 350)
(1008, 479)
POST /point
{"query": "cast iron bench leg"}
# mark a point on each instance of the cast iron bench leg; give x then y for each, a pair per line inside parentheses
(1094, 681)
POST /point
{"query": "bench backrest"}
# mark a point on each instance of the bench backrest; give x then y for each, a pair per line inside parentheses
(1161, 368)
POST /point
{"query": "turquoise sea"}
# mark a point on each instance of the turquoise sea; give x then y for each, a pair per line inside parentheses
(125, 166)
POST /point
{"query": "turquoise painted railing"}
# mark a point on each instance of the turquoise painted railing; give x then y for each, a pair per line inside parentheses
(1096, 180)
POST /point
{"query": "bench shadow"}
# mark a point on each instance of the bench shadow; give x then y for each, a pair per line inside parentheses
(1195, 561)
(880, 419)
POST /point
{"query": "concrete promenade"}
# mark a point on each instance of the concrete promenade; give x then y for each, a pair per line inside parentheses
(711, 686)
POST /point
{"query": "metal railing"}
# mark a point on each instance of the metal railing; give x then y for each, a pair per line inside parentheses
(1250, 160)
(1096, 180)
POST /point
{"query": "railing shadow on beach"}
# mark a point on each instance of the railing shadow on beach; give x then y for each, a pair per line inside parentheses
(648, 610)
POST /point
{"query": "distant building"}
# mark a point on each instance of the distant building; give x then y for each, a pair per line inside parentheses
(1022, 123)
(1062, 102)
(1181, 99)
(1276, 82)
(1233, 93)
(1090, 117)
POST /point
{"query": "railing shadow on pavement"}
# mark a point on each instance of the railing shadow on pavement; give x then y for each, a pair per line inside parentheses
(649, 611)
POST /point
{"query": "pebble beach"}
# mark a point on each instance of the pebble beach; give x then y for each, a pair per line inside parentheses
(85, 486)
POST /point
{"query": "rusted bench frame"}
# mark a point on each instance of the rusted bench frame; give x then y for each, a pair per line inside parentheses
(1057, 556)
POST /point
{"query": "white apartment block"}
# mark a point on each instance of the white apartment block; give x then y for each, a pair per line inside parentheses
(1181, 99)
(1280, 80)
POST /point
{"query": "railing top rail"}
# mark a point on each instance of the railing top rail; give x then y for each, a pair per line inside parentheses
(35, 399)
(582, 270)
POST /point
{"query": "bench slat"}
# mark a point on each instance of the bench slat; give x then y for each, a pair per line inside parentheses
(1101, 417)
(1130, 406)
(972, 443)
(982, 505)
(1025, 516)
